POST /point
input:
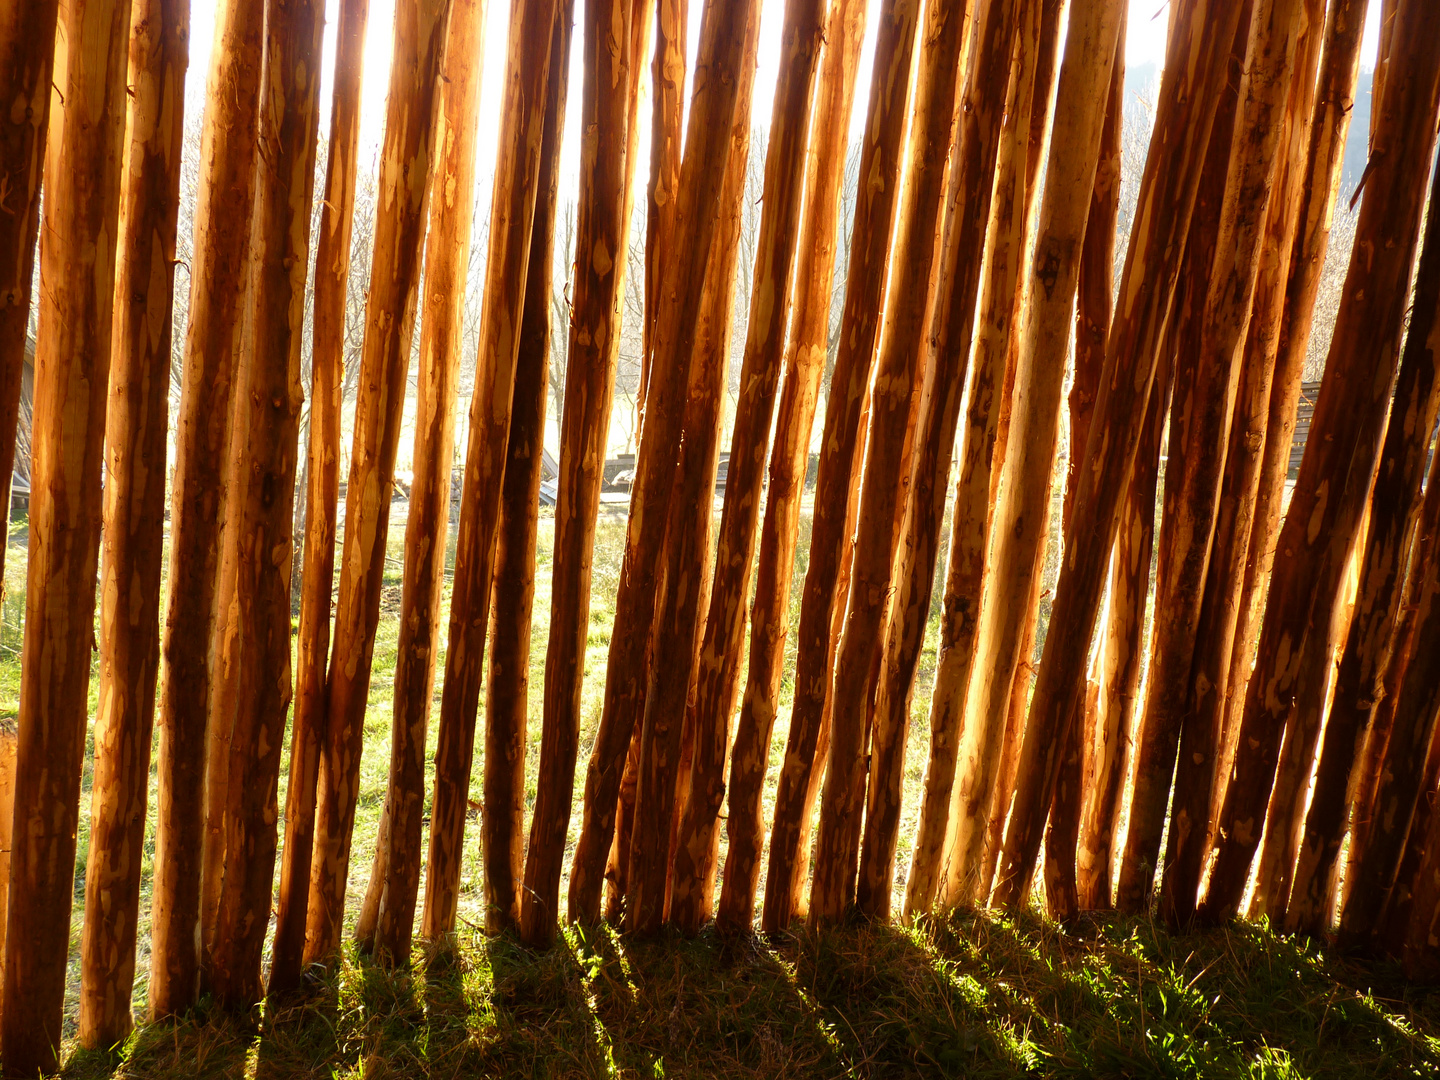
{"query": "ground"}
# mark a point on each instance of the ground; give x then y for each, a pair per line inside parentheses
(977, 995)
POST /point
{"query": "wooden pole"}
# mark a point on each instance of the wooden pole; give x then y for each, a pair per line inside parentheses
(886, 481)
(718, 668)
(512, 216)
(405, 163)
(1188, 101)
(27, 55)
(218, 281)
(1340, 457)
(133, 537)
(609, 102)
(789, 459)
(270, 395)
(507, 673)
(722, 50)
(72, 362)
(327, 375)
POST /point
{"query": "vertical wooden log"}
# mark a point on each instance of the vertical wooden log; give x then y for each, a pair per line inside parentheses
(1395, 504)
(218, 277)
(507, 673)
(609, 103)
(405, 163)
(1340, 457)
(395, 875)
(133, 537)
(72, 362)
(865, 286)
(1189, 97)
(327, 362)
(962, 629)
(512, 216)
(886, 481)
(667, 132)
(660, 790)
(722, 50)
(27, 54)
(270, 397)
(721, 649)
(7, 815)
(789, 460)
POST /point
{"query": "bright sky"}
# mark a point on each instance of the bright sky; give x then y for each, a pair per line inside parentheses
(1145, 43)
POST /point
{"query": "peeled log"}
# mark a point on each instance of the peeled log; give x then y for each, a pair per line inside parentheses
(789, 459)
(1190, 94)
(875, 207)
(1341, 455)
(133, 536)
(405, 162)
(72, 365)
(218, 278)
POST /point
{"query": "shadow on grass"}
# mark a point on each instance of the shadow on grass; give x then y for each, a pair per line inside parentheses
(977, 994)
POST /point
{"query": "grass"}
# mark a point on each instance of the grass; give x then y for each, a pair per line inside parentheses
(976, 995)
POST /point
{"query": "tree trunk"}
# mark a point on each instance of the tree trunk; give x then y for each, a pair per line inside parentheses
(322, 474)
(507, 674)
(271, 397)
(1190, 94)
(405, 163)
(722, 646)
(1394, 506)
(697, 223)
(609, 103)
(864, 291)
(789, 460)
(133, 536)
(218, 279)
(660, 793)
(979, 747)
(72, 364)
(1345, 440)
(27, 54)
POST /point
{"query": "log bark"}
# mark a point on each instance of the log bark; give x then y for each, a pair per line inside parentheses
(875, 208)
(680, 608)
(269, 397)
(722, 50)
(667, 134)
(886, 483)
(610, 103)
(512, 218)
(8, 734)
(789, 459)
(72, 361)
(1340, 457)
(218, 280)
(327, 363)
(507, 673)
(133, 537)
(405, 162)
(1188, 101)
(27, 55)
(1394, 506)
(718, 668)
